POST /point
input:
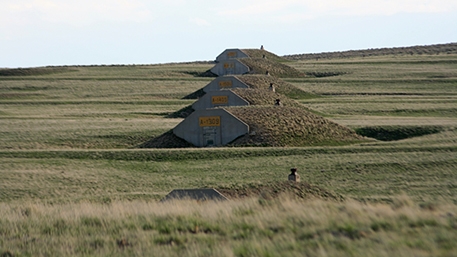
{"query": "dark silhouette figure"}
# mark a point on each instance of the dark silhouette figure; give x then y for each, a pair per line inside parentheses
(293, 176)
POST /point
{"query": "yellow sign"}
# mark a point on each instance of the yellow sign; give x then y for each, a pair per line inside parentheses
(229, 65)
(210, 121)
(231, 54)
(221, 99)
(225, 84)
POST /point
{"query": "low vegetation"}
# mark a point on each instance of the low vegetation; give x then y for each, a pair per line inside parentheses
(252, 227)
(392, 133)
(271, 67)
(287, 126)
(281, 86)
(264, 54)
(74, 181)
(450, 48)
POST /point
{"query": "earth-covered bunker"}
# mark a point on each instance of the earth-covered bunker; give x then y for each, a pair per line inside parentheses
(229, 54)
(220, 98)
(211, 127)
(230, 67)
(224, 82)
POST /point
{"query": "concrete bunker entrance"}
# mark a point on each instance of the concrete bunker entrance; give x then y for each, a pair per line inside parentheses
(211, 136)
(210, 131)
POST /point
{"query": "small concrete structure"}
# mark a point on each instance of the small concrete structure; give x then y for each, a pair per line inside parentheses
(218, 99)
(211, 127)
(229, 54)
(293, 176)
(203, 194)
(224, 82)
(230, 67)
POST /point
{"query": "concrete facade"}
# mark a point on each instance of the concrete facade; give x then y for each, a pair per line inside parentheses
(230, 67)
(224, 82)
(229, 54)
(211, 127)
(220, 98)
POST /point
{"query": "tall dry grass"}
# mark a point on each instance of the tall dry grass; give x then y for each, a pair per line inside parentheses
(251, 227)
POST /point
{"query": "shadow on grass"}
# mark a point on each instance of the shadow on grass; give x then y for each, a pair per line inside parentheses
(393, 133)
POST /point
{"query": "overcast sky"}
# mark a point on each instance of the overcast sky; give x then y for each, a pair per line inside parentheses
(69, 32)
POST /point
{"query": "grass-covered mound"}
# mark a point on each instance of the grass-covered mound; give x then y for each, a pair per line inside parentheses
(300, 190)
(181, 113)
(274, 68)
(195, 95)
(289, 126)
(269, 125)
(264, 97)
(263, 82)
(282, 87)
(277, 126)
(259, 53)
(166, 140)
(256, 95)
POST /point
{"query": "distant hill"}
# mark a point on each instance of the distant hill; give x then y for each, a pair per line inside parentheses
(450, 48)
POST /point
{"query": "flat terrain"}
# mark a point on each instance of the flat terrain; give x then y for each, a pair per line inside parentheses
(74, 182)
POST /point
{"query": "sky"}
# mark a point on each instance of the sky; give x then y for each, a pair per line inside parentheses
(36, 33)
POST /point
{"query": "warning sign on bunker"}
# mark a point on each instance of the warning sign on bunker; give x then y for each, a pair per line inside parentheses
(229, 65)
(210, 121)
(231, 54)
(221, 99)
(225, 84)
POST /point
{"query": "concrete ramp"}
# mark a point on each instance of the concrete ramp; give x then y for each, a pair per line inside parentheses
(203, 194)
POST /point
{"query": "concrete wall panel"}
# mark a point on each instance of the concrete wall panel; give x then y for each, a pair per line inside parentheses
(225, 82)
(231, 54)
(230, 67)
(220, 98)
(211, 127)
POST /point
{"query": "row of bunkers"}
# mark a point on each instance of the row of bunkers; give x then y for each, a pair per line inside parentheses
(247, 105)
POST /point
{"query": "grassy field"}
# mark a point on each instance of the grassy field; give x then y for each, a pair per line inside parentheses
(74, 183)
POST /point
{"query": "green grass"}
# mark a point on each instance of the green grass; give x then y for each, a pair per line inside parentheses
(73, 182)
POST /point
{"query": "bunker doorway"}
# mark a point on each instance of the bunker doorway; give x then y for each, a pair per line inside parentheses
(211, 136)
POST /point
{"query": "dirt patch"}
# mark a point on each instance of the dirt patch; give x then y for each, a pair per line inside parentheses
(301, 190)
(289, 126)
